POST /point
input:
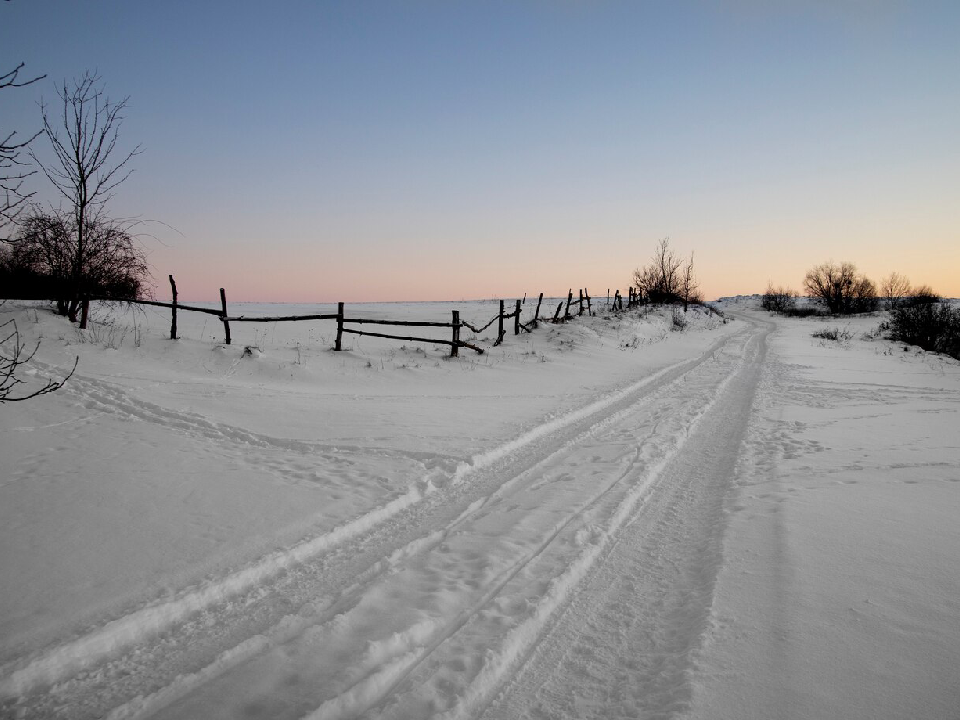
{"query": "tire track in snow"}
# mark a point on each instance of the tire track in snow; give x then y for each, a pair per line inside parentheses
(624, 645)
(62, 662)
(506, 661)
(399, 654)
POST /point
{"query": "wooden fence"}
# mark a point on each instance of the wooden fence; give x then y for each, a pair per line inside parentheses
(456, 324)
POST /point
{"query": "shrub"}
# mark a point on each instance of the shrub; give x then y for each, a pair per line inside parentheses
(42, 261)
(841, 288)
(930, 324)
(679, 322)
(667, 279)
(836, 334)
(804, 311)
(778, 299)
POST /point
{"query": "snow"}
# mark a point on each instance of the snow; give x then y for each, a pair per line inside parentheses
(839, 592)
(598, 519)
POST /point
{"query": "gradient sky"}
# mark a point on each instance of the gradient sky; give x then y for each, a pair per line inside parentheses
(324, 151)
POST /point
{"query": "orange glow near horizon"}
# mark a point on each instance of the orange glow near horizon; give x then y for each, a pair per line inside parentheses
(720, 273)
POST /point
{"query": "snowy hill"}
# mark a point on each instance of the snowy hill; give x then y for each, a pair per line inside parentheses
(602, 518)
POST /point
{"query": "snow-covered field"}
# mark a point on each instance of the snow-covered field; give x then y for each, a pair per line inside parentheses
(600, 519)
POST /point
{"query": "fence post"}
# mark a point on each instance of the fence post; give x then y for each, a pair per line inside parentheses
(173, 322)
(84, 311)
(500, 332)
(516, 320)
(580, 311)
(589, 307)
(557, 313)
(455, 350)
(337, 346)
(536, 315)
(566, 313)
(223, 317)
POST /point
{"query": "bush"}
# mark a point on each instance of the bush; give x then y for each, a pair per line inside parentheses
(837, 335)
(930, 324)
(778, 299)
(667, 279)
(841, 288)
(679, 322)
(804, 311)
(46, 261)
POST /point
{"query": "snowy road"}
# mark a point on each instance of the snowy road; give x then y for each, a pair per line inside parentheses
(606, 519)
(568, 572)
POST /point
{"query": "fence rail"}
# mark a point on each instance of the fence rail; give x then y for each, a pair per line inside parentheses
(456, 324)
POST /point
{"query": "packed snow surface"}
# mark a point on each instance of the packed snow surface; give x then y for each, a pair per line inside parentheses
(605, 518)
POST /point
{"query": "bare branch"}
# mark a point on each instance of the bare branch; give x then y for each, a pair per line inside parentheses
(10, 79)
(12, 198)
(14, 355)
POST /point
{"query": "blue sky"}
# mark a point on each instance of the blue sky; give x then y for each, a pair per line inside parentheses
(439, 150)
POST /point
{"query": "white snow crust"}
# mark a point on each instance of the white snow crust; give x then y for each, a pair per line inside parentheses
(599, 519)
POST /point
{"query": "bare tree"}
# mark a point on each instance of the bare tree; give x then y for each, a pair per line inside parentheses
(663, 280)
(14, 354)
(841, 288)
(922, 295)
(41, 263)
(84, 172)
(13, 171)
(894, 288)
(689, 285)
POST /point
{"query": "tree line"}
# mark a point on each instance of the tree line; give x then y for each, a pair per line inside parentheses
(918, 315)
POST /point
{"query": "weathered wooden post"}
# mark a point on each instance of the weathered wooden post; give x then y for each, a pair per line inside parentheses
(536, 315)
(500, 332)
(223, 317)
(589, 307)
(566, 313)
(455, 350)
(557, 313)
(580, 309)
(84, 311)
(516, 320)
(173, 322)
(337, 346)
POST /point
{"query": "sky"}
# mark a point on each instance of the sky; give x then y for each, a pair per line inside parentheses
(438, 150)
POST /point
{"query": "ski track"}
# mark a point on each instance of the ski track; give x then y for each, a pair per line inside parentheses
(275, 610)
(623, 645)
